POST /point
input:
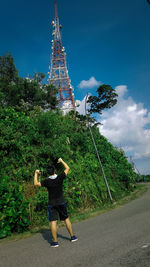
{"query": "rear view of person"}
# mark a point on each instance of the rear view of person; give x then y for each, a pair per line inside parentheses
(56, 203)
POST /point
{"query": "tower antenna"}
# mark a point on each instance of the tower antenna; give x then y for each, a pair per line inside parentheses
(58, 75)
(56, 10)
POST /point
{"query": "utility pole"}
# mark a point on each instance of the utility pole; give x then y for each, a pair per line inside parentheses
(99, 160)
(134, 165)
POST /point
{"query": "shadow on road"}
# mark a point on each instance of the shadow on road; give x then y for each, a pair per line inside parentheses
(48, 236)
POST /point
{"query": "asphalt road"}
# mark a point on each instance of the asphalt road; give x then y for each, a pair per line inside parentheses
(117, 238)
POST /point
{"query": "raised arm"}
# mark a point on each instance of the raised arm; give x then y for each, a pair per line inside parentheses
(36, 182)
(65, 165)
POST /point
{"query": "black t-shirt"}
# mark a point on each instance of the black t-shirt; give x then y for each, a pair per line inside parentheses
(55, 191)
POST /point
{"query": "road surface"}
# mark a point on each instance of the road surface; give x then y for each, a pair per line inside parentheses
(120, 237)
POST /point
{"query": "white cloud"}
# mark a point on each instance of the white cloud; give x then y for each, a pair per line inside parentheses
(124, 125)
(92, 82)
(81, 108)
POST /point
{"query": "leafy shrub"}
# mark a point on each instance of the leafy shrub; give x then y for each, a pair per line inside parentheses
(14, 215)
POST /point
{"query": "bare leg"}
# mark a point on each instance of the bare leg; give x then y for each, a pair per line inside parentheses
(53, 226)
(69, 226)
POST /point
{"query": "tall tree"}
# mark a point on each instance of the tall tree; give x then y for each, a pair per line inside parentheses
(107, 98)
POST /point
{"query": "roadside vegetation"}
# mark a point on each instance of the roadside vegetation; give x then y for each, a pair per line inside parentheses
(34, 133)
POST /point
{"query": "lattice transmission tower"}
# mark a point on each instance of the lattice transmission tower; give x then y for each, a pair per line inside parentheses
(58, 74)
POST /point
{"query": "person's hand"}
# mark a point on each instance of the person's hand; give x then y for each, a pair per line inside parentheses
(37, 171)
(59, 160)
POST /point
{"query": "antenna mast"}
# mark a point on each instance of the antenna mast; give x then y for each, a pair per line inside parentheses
(58, 75)
(56, 10)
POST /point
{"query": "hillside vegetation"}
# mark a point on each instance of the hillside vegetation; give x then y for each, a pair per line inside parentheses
(32, 138)
(33, 142)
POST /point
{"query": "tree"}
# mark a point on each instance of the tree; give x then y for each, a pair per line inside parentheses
(24, 93)
(106, 99)
(8, 76)
(8, 71)
(32, 92)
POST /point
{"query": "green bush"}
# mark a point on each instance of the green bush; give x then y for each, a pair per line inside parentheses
(14, 215)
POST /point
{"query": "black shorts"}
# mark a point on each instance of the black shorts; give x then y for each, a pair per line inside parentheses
(60, 210)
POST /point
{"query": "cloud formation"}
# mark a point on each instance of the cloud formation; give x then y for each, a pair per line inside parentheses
(126, 125)
(81, 108)
(92, 82)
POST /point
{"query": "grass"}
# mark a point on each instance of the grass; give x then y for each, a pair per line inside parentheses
(83, 214)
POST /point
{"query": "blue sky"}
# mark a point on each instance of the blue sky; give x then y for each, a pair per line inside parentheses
(108, 40)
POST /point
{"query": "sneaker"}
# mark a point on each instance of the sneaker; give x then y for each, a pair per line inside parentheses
(73, 238)
(54, 245)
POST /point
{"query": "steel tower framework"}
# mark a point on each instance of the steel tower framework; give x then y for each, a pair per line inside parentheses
(58, 74)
